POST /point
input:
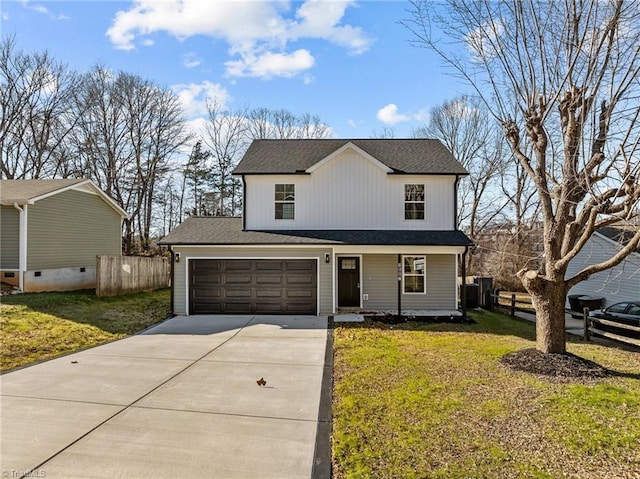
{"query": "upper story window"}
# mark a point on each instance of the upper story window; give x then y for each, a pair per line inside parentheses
(413, 202)
(285, 196)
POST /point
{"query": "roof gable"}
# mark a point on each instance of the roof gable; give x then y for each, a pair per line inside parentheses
(401, 156)
(28, 192)
(342, 149)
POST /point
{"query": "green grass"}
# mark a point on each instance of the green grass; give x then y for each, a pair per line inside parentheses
(40, 326)
(433, 401)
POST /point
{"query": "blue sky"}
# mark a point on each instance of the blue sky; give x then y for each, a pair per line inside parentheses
(349, 62)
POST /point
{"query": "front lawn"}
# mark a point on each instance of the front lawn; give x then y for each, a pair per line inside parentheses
(40, 326)
(434, 401)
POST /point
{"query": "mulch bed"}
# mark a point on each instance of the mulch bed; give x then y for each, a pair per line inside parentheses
(394, 319)
(557, 366)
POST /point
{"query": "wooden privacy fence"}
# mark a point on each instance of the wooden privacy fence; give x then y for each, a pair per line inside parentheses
(117, 275)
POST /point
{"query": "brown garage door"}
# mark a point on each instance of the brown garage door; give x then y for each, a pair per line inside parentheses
(238, 286)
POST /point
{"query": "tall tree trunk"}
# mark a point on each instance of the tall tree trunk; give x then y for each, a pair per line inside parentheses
(548, 297)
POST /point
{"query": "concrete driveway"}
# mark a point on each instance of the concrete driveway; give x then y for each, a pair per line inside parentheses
(180, 400)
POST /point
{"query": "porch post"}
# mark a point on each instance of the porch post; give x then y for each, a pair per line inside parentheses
(399, 286)
(463, 294)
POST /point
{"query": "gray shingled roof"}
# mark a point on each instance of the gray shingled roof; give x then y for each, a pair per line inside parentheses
(411, 156)
(226, 231)
(22, 191)
(619, 235)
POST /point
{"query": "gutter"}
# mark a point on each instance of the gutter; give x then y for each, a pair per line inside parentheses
(22, 244)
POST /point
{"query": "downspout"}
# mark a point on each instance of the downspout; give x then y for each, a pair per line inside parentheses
(22, 245)
(244, 204)
(455, 203)
(173, 282)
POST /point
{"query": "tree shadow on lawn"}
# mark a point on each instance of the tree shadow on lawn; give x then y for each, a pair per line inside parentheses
(493, 323)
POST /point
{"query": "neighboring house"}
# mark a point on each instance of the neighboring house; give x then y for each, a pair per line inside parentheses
(52, 230)
(620, 283)
(328, 225)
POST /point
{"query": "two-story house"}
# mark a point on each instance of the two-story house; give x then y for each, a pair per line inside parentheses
(328, 225)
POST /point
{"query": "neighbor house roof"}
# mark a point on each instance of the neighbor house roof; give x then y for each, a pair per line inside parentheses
(408, 156)
(228, 231)
(24, 192)
(619, 235)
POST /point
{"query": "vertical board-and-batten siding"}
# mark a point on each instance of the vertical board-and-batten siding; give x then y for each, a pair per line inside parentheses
(9, 238)
(70, 229)
(380, 279)
(350, 192)
(620, 283)
(325, 281)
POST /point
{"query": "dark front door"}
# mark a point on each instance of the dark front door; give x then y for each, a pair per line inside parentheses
(348, 282)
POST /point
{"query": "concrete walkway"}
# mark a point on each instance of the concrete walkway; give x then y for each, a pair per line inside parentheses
(180, 400)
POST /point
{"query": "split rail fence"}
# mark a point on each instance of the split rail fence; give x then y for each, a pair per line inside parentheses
(591, 325)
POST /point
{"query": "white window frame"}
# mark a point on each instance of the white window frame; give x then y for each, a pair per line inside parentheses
(424, 274)
(284, 201)
(423, 202)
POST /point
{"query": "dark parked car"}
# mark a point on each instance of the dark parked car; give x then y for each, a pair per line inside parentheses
(627, 312)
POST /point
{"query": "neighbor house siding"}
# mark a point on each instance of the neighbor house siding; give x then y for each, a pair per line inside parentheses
(380, 281)
(350, 192)
(70, 229)
(9, 238)
(325, 280)
(620, 283)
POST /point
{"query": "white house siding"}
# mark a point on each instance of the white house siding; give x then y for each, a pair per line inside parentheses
(620, 283)
(325, 280)
(380, 283)
(9, 238)
(350, 192)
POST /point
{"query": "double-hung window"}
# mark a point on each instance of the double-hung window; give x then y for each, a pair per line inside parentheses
(413, 202)
(285, 196)
(413, 274)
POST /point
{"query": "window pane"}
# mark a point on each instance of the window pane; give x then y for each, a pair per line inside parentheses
(285, 192)
(288, 211)
(414, 284)
(414, 192)
(348, 263)
(414, 264)
(414, 211)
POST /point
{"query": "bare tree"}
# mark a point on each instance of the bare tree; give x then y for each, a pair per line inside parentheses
(263, 123)
(125, 140)
(563, 80)
(465, 127)
(226, 138)
(36, 113)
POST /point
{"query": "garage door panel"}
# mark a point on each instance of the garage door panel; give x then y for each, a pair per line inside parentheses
(237, 265)
(253, 286)
(237, 293)
(270, 280)
(269, 293)
(236, 279)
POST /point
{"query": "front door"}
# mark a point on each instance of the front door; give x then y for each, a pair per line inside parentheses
(348, 282)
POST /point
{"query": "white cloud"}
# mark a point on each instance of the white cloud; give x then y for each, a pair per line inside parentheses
(191, 60)
(194, 97)
(482, 41)
(389, 114)
(257, 32)
(268, 64)
(40, 9)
